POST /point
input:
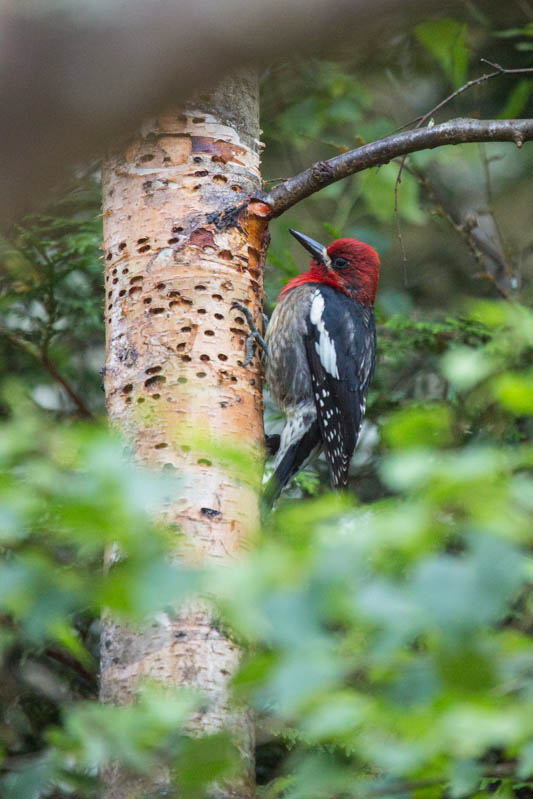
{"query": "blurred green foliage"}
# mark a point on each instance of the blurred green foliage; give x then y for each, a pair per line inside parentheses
(389, 628)
(446, 41)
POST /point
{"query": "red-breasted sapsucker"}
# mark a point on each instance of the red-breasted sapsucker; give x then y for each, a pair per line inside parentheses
(321, 350)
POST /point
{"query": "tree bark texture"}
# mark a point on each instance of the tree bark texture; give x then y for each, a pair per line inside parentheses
(180, 248)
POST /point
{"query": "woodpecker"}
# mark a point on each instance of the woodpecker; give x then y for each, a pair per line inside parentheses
(320, 357)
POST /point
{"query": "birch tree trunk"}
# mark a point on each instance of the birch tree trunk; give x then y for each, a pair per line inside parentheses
(180, 247)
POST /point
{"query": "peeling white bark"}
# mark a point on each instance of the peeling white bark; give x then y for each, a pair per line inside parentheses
(175, 263)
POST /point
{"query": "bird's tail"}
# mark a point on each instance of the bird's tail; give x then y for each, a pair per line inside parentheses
(289, 463)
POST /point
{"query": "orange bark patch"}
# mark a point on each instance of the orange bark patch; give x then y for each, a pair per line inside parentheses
(259, 209)
(202, 238)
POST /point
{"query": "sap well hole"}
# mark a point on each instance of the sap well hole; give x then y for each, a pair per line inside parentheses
(152, 381)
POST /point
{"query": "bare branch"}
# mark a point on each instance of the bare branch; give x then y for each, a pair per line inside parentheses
(499, 70)
(419, 122)
(52, 371)
(456, 131)
(504, 70)
(456, 93)
(490, 261)
(41, 354)
(428, 115)
(72, 663)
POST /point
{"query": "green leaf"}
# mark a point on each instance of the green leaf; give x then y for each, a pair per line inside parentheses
(133, 735)
(460, 593)
(336, 714)
(407, 470)
(378, 193)
(516, 101)
(445, 39)
(514, 391)
(525, 768)
(419, 426)
(465, 776)
(465, 367)
(30, 782)
(204, 760)
(511, 33)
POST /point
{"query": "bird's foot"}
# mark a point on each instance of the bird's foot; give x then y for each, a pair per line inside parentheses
(254, 337)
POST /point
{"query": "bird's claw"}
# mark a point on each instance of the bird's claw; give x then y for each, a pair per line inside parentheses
(250, 350)
(255, 335)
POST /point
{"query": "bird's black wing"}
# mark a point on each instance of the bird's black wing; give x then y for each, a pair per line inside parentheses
(340, 345)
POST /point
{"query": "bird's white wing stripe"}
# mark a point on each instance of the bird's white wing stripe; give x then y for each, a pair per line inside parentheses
(324, 346)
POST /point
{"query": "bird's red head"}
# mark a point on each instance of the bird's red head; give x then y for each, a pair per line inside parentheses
(348, 265)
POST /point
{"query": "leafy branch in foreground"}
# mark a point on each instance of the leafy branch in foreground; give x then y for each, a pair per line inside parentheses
(50, 289)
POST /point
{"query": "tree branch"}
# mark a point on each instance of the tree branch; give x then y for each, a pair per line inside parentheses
(491, 261)
(41, 354)
(72, 663)
(505, 70)
(456, 131)
(499, 70)
(52, 371)
(420, 121)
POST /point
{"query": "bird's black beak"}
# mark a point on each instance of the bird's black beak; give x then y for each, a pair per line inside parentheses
(318, 251)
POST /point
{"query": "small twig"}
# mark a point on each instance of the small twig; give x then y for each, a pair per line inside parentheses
(52, 371)
(274, 180)
(490, 208)
(465, 229)
(397, 221)
(505, 70)
(456, 93)
(419, 122)
(499, 70)
(21, 342)
(489, 277)
(72, 663)
(526, 8)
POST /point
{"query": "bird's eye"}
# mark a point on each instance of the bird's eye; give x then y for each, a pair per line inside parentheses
(340, 263)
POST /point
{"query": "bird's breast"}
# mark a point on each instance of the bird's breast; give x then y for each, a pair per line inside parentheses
(287, 369)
